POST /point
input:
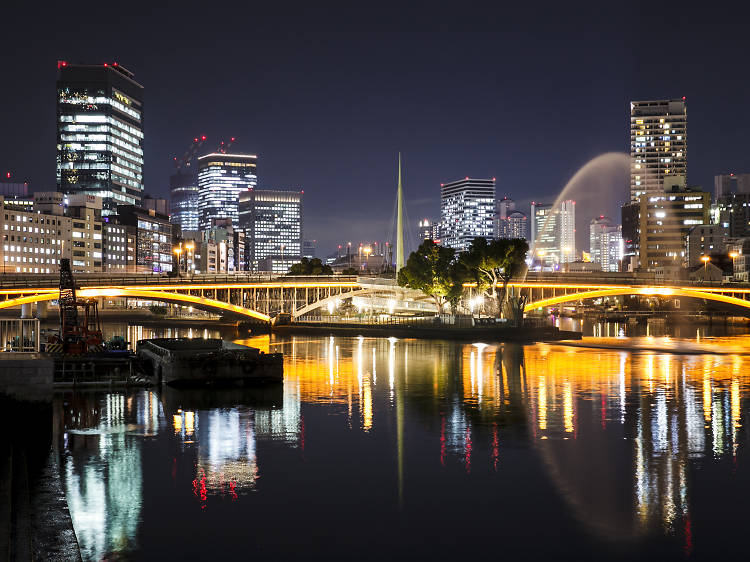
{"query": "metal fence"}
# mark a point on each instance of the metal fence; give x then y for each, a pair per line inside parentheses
(19, 335)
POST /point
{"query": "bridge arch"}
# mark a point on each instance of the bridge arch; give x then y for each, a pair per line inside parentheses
(644, 291)
(162, 296)
(333, 298)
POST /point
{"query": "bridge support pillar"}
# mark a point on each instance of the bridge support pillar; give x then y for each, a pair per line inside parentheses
(26, 310)
(41, 310)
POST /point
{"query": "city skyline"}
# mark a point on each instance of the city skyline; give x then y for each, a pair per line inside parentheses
(337, 131)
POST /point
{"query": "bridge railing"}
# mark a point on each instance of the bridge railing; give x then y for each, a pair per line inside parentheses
(16, 281)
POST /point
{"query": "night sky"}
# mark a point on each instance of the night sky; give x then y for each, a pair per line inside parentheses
(327, 111)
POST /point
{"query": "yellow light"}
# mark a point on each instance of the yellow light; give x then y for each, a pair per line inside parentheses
(733, 255)
(705, 259)
(177, 251)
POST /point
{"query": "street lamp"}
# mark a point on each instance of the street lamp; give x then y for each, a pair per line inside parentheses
(178, 252)
(190, 246)
(367, 250)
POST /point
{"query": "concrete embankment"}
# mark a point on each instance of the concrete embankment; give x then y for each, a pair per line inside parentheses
(35, 523)
(477, 333)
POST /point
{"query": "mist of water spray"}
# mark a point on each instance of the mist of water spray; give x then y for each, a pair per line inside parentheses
(600, 187)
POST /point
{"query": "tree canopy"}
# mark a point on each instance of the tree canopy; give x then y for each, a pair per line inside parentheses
(310, 267)
(429, 269)
(490, 263)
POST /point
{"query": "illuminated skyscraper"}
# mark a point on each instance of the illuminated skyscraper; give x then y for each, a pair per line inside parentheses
(221, 179)
(553, 235)
(272, 221)
(100, 133)
(605, 243)
(467, 210)
(658, 144)
(183, 188)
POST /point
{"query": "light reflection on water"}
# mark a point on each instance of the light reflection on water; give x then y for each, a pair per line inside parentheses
(416, 438)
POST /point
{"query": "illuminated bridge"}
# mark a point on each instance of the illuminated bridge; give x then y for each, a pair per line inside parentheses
(254, 297)
(261, 298)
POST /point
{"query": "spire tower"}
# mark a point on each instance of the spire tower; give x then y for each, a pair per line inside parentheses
(400, 222)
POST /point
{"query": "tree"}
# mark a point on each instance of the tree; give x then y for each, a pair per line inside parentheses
(310, 267)
(495, 262)
(349, 271)
(429, 269)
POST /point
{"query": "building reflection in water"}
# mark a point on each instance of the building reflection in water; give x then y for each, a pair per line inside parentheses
(616, 431)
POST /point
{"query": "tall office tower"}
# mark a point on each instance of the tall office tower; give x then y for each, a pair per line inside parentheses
(183, 189)
(517, 225)
(605, 243)
(272, 221)
(100, 133)
(467, 208)
(504, 208)
(658, 144)
(221, 179)
(553, 234)
(567, 221)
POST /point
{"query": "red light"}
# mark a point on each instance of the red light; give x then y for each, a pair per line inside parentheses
(467, 177)
(114, 64)
(195, 139)
(7, 175)
(203, 137)
(683, 98)
(232, 139)
(493, 179)
(105, 64)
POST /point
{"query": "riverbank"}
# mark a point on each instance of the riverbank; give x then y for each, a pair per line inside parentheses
(35, 522)
(527, 334)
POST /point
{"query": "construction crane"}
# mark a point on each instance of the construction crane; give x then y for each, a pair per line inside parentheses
(224, 146)
(187, 159)
(77, 335)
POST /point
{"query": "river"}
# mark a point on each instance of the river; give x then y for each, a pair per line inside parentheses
(381, 449)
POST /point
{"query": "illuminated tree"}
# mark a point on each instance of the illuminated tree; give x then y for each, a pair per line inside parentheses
(429, 269)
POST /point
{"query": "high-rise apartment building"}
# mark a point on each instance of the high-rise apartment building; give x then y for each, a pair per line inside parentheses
(100, 133)
(221, 179)
(605, 243)
(183, 189)
(658, 144)
(467, 208)
(504, 208)
(272, 221)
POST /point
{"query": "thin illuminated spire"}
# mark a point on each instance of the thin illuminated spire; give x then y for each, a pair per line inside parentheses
(400, 221)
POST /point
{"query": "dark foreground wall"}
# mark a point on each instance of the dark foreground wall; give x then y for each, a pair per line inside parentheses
(35, 522)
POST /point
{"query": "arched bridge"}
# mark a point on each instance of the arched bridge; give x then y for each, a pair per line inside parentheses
(541, 294)
(258, 299)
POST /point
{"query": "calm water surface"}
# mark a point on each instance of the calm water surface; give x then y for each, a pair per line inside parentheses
(393, 449)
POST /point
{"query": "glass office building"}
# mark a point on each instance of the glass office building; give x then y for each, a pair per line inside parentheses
(221, 179)
(100, 133)
(183, 188)
(272, 221)
(467, 210)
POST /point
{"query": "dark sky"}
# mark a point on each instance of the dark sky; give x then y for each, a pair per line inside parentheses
(529, 100)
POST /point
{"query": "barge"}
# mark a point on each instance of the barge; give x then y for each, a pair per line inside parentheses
(184, 361)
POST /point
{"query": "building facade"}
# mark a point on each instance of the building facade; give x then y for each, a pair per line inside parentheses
(553, 234)
(665, 220)
(183, 212)
(705, 240)
(505, 207)
(605, 243)
(100, 133)
(272, 222)
(467, 209)
(517, 225)
(152, 241)
(658, 144)
(221, 180)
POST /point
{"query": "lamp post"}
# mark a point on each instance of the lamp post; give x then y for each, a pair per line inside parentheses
(190, 247)
(734, 256)
(178, 253)
(367, 250)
